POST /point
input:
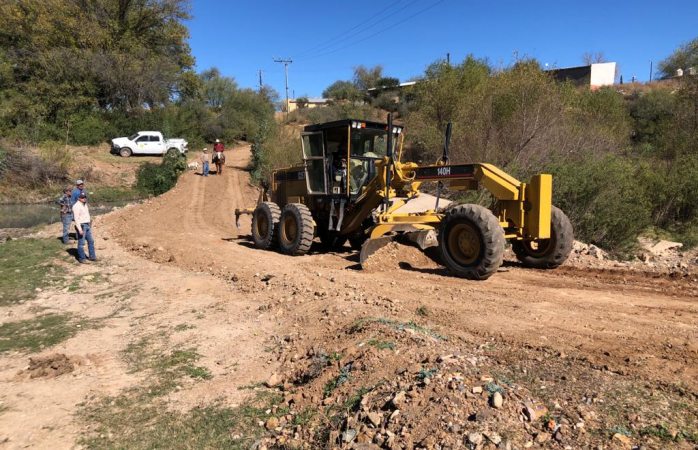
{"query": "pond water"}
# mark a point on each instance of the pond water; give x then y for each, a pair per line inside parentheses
(27, 216)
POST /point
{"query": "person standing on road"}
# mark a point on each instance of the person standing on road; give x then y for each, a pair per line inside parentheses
(204, 162)
(79, 189)
(66, 214)
(83, 227)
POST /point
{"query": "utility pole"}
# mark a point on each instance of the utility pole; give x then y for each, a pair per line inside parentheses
(260, 80)
(285, 62)
(448, 58)
(651, 71)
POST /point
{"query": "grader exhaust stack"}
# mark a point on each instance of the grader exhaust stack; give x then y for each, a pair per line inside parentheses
(351, 187)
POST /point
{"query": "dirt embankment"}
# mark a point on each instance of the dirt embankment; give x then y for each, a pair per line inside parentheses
(408, 357)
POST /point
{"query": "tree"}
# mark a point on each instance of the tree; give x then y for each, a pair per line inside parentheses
(589, 58)
(366, 78)
(302, 102)
(217, 89)
(342, 90)
(387, 82)
(684, 57)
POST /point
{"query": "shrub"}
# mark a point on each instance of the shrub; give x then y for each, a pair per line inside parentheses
(605, 199)
(153, 179)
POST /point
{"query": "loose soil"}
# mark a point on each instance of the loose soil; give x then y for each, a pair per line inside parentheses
(400, 356)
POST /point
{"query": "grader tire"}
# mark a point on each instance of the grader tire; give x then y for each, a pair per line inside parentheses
(548, 253)
(296, 229)
(471, 242)
(265, 221)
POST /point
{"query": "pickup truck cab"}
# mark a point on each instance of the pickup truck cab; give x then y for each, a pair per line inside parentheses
(147, 143)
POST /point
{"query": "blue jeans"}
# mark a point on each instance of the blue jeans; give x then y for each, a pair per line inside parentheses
(67, 219)
(206, 169)
(86, 234)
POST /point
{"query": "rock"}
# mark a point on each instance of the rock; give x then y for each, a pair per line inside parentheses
(542, 437)
(596, 252)
(399, 401)
(394, 415)
(483, 415)
(375, 418)
(271, 423)
(622, 440)
(477, 389)
(475, 438)
(534, 412)
(497, 400)
(493, 438)
(273, 380)
(349, 436)
(664, 246)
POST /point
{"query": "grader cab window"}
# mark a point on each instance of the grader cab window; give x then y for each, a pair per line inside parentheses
(314, 158)
(367, 145)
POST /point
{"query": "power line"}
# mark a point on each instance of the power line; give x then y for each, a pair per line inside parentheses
(383, 30)
(366, 24)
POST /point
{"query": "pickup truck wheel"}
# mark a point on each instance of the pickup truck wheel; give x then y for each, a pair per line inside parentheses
(125, 152)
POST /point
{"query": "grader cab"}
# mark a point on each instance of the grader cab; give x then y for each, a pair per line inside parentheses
(353, 186)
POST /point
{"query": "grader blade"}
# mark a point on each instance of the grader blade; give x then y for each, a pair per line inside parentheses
(371, 246)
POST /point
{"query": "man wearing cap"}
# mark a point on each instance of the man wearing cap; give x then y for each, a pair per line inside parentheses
(79, 189)
(83, 227)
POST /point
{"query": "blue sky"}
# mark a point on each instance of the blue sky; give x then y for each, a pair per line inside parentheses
(327, 39)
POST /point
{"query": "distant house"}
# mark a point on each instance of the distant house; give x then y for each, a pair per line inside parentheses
(594, 75)
(293, 103)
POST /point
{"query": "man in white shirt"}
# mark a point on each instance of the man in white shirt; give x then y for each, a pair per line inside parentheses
(81, 216)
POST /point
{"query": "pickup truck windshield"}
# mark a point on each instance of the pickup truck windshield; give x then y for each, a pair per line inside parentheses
(133, 137)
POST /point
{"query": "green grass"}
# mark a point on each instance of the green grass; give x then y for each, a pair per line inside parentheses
(35, 334)
(25, 265)
(138, 418)
(110, 194)
(334, 383)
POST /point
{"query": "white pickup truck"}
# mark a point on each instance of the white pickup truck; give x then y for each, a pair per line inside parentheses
(147, 143)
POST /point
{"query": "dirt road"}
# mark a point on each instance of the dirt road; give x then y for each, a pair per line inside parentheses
(399, 356)
(621, 320)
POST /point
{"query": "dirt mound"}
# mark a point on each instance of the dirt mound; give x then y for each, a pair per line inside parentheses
(49, 366)
(395, 256)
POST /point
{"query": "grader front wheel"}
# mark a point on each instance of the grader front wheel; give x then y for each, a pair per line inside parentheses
(296, 229)
(547, 253)
(471, 242)
(265, 220)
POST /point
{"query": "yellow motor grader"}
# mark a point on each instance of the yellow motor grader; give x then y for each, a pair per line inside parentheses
(353, 186)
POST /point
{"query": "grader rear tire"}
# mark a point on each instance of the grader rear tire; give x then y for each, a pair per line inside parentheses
(548, 253)
(265, 221)
(471, 242)
(296, 229)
